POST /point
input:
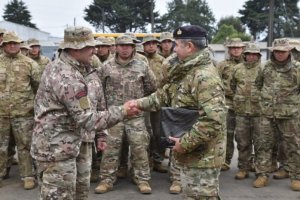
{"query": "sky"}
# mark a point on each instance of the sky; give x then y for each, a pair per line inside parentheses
(54, 16)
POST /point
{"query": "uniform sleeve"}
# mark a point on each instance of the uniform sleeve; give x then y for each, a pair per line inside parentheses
(35, 76)
(259, 81)
(212, 110)
(149, 81)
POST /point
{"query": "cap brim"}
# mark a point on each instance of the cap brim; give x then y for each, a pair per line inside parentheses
(76, 45)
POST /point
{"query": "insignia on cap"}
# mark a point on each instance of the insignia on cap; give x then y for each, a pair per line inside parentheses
(179, 32)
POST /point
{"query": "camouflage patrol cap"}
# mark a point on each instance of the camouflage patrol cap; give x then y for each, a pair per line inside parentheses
(77, 37)
(149, 38)
(124, 39)
(281, 44)
(103, 41)
(2, 30)
(166, 36)
(295, 44)
(251, 47)
(10, 37)
(235, 42)
(33, 42)
(132, 35)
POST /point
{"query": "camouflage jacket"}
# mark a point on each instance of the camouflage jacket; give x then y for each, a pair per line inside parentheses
(225, 69)
(196, 83)
(279, 85)
(63, 111)
(123, 82)
(103, 59)
(96, 63)
(246, 94)
(42, 61)
(155, 63)
(19, 79)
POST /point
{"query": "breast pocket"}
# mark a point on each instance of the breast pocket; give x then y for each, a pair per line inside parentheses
(2, 79)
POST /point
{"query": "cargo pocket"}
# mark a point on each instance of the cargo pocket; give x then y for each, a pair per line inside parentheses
(239, 104)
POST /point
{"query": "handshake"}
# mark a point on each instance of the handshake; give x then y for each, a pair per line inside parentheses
(131, 108)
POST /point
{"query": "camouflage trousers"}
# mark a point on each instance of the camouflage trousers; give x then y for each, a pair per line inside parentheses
(138, 139)
(83, 166)
(200, 184)
(21, 128)
(246, 133)
(174, 169)
(231, 123)
(289, 132)
(57, 180)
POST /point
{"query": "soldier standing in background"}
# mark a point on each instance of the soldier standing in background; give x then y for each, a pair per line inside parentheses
(166, 44)
(247, 108)
(112, 47)
(103, 49)
(225, 68)
(64, 112)
(125, 77)
(279, 83)
(194, 82)
(24, 48)
(36, 54)
(19, 78)
(2, 31)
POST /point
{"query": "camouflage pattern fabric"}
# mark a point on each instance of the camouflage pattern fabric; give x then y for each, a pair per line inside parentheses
(279, 84)
(155, 63)
(96, 63)
(200, 184)
(122, 82)
(42, 61)
(247, 108)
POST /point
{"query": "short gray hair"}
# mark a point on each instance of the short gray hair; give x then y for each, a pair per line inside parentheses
(199, 43)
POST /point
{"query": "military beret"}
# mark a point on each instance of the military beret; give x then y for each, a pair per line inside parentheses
(190, 32)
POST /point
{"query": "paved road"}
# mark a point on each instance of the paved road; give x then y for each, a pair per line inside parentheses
(230, 188)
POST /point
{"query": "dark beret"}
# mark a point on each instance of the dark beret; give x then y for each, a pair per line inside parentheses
(189, 32)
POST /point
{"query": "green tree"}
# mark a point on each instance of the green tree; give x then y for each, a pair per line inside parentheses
(234, 21)
(120, 15)
(16, 11)
(228, 31)
(180, 12)
(255, 14)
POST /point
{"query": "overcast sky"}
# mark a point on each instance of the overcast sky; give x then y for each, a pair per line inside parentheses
(54, 15)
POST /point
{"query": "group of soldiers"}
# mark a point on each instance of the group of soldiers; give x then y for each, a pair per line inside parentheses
(75, 119)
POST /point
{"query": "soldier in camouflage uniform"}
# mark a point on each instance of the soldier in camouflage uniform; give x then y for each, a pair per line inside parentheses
(295, 43)
(112, 47)
(125, 77)
(35, 54)
(2, 31)
(235, 49)
(166, 44)
(19, 77)
(246, 106)
(24, 48)
(279, 82)
(194, 82)
(103, 49)
(65, 114)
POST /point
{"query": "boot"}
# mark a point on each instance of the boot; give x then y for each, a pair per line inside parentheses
(122, 172)
(260, 182)
(175, 187)
(225, 167)
(103, 187)
(242, 174)
(160, 168)
(281, 174)
(144, 187)
(29, 183)
(94, 176)
(295, 185)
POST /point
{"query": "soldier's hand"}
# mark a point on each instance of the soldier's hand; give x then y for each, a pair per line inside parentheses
(101, 144)
(131, 108)
(177, 147)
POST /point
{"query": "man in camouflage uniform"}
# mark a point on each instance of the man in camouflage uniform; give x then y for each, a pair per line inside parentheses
(2, 31)
(246, 106)
(166, 44)
(295, 43)
(125, 77)
(19, 77)
(235, 49)
(103, 49)
(194, 82)
(35, 54)
(112, 47)
(279, 82)
(64, 113)
(24, 48)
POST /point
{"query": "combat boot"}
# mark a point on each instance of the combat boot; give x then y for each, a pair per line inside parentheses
(242, 174)
(281, 174)
(144, 187)
(29, 183)
(225, 167)
(103, 187)
(122, 172)
(94, 176)
(295, 185)
(175, 188)
(158, 167)
(260, 182)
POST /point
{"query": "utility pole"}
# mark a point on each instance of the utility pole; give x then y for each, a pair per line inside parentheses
(74, 21)
(152, 16)
(271, 26)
